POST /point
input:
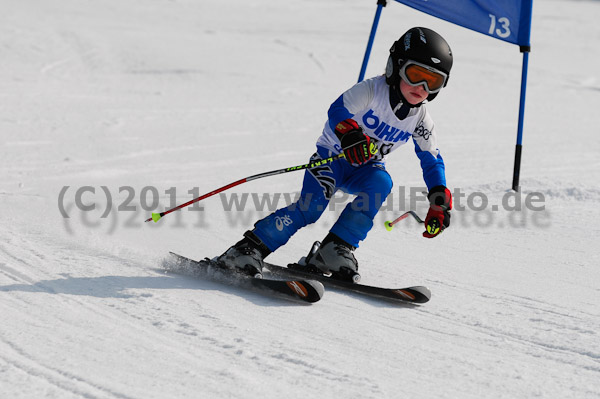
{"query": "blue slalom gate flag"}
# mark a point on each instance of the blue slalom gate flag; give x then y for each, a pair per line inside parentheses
(508, 20)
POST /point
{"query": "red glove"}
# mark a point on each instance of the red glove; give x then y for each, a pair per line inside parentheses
(356, 145)
(438, 216)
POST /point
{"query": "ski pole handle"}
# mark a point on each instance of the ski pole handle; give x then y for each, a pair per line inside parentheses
(390, 225)
(157, 216)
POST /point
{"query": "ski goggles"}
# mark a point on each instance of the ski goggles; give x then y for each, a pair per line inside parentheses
(415, 74)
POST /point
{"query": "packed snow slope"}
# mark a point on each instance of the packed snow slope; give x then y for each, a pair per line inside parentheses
(111, 109)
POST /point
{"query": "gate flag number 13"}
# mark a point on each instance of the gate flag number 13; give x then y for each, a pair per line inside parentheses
(503, 30)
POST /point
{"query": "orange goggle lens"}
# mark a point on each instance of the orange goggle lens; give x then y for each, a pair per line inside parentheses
(415, 75)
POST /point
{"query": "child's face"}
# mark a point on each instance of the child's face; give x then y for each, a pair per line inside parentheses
(413, 94)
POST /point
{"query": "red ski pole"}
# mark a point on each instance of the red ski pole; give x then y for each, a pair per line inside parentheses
(390, 225)
(157, 216)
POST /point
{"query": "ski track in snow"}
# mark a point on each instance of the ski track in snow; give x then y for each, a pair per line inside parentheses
(155, 325)
(70, 293)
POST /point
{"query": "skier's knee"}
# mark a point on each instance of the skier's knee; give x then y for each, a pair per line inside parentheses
(310, 209)
(383, 182)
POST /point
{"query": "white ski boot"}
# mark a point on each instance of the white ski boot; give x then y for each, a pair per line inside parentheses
(334, 256)
(246, 256)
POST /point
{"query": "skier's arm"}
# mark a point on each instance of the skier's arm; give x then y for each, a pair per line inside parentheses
(440, 198)
(432, 163)
(355, 99)
(434, 174)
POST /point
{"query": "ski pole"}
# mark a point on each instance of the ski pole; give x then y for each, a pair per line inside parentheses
(390, 225)
(157, 216)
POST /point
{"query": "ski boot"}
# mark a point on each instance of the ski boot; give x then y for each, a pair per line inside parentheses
(334, 256)
(246, 256)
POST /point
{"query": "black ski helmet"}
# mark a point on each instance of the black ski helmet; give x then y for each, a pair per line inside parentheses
(422, 45)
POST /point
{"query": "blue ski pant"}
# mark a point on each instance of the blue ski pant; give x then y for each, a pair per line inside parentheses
(371, 184)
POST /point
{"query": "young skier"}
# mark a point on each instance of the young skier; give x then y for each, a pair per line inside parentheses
(366, 123)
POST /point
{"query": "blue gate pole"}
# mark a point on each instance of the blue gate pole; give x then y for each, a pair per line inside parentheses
(363, 69)
(517, 168)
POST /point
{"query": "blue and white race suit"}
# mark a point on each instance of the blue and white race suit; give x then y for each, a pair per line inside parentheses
(367, 103)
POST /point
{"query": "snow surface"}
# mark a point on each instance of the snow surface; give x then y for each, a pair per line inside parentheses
(180, 95)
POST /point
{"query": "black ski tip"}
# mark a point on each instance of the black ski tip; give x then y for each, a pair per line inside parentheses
(317, 288)
(310, 291)
(417, 294)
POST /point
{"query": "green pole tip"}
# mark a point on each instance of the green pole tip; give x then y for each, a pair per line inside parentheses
(156, 217)
(389, 226)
